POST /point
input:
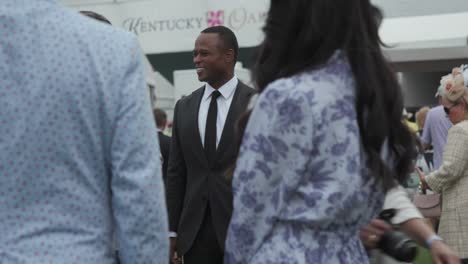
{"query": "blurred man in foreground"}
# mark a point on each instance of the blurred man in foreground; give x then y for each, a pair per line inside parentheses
(76, 127)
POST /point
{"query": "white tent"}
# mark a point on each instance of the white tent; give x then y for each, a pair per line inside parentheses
(426, 38)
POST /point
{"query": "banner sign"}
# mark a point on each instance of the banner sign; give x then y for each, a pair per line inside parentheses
(172, 26)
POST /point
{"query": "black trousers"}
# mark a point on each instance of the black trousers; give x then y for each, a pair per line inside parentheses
(205, 249)
(464, 261)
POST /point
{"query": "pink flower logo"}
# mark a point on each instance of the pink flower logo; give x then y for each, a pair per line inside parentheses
(215, 18)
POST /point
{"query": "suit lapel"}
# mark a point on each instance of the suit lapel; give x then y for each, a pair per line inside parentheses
(237, 107)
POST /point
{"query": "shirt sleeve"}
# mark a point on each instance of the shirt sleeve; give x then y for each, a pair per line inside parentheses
(426, 136)
(454, 161)
(138, 200)
(398, 199)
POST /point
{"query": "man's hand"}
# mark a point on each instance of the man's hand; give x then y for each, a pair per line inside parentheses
(173, 258)
(441, 254)
(371, 234)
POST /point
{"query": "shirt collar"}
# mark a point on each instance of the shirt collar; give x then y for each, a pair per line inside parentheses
(227, 90)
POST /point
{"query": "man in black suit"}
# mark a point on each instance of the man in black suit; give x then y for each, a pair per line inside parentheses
(164, 141)
(203, 146)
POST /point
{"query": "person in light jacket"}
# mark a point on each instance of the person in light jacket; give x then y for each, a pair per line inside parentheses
(451, 178)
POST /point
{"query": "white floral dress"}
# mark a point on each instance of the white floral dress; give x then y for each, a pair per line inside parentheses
(301, 187)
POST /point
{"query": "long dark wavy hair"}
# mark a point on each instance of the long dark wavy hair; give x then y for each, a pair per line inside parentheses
(301, 35)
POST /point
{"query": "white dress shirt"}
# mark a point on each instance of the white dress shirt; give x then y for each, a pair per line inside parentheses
(224, 103)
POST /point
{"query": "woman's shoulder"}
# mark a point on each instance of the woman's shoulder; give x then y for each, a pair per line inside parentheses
(461, 127)
(332, 81)
(312, 84)
(458, 134)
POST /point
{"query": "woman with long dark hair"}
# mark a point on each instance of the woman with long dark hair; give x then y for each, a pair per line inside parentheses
(324, 141)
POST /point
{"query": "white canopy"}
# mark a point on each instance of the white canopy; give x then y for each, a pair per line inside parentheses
(424, 38)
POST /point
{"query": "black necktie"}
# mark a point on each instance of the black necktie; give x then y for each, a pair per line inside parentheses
(210, 131)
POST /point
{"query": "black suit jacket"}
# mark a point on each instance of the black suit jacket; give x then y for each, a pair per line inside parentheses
(165, 146)
(192, 181)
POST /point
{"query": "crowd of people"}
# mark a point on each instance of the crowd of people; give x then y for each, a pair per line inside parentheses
(307, 166)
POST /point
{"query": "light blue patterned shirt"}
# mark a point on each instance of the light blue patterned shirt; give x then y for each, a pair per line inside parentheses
(79, 156)
(301, 187)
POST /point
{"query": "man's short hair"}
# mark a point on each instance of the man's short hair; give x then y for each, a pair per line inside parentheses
(160, 116)
(227, 37)
(96, 16)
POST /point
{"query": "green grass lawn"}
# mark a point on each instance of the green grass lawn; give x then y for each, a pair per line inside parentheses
(423, 257)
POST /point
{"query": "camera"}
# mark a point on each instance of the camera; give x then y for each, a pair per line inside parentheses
(395, 243)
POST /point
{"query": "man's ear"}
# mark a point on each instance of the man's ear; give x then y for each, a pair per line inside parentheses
(229, 55)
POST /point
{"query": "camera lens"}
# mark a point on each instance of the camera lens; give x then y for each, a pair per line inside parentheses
(398, 246)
